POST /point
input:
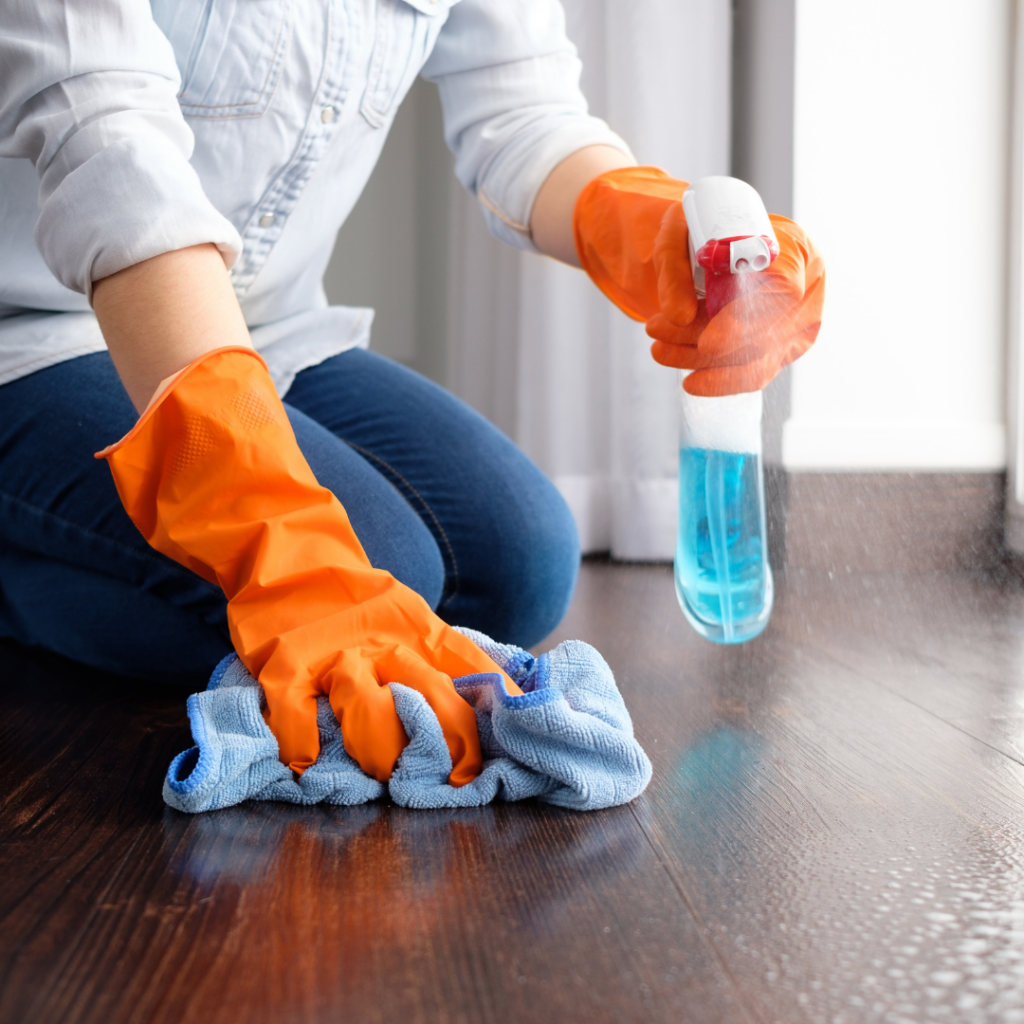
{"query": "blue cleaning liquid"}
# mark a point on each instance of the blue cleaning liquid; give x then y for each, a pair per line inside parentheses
(723, 579)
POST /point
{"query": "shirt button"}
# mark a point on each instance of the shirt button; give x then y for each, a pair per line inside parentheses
(266, 220)
(327, 115)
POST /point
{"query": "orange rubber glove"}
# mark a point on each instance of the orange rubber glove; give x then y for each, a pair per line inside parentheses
(213, 477)
(631, 238)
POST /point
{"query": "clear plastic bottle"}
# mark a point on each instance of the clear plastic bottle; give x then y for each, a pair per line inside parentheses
(723, 577)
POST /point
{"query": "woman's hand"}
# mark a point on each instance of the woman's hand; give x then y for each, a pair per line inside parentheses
(745, 345)
(632, 239)
(213, 478)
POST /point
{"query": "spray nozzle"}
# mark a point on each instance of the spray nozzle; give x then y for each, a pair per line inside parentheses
(742, 255)
(730, 234)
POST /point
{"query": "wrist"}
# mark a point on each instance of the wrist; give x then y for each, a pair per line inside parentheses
(551, 220)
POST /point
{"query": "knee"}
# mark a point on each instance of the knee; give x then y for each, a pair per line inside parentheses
(550, 567)
(536, 576)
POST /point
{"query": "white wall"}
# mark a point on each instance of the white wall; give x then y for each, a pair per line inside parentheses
(900, 176)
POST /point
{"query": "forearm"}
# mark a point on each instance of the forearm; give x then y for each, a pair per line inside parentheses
(551, 222)
(159, 315)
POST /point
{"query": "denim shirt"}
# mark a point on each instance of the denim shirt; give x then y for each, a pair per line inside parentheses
(252, 124)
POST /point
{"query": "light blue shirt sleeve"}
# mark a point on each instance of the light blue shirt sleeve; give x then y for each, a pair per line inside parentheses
(508, 77)
(153, 125)
(88, 94)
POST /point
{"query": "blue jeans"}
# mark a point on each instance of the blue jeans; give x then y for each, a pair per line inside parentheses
(436, 495)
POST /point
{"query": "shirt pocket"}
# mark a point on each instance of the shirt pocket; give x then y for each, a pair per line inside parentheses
(405, 32)
(229, 52)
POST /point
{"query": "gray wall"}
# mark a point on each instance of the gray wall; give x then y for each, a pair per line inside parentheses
(764, 38)
(763, 56)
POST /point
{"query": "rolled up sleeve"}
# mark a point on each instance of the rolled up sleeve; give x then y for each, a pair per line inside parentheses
(508, 77)
(88, 93)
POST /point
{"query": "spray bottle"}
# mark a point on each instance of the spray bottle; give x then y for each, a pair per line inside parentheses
(722, 574)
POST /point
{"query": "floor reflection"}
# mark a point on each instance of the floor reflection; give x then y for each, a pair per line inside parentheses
(373, 862)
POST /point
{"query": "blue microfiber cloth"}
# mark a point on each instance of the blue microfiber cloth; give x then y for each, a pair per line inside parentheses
(568, 740)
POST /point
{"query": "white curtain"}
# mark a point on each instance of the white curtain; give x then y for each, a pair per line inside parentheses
(535, 347)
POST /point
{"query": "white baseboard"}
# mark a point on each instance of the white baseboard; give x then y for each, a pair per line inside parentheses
(938, 447)
(589, 499)
(633, 519)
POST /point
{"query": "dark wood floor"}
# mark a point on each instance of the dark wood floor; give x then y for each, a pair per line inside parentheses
(834, 833)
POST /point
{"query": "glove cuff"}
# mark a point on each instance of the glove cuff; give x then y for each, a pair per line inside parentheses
(151, 410)
(212, 469)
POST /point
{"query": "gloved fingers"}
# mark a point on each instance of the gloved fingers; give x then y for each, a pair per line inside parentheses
(680, 357)
(731, 356)
(805, 318)
(763, 319)
(676, 336)
(801, 263)
(699, 345)
(714, 382)
(431, 638)
(765, 298)
(764, 330)
(711, 376)
(456, 717)
(291, 717)
(736, 368)
(677, 297)
(458, 656)
(747, 322)
(370, 727)
(795, 243)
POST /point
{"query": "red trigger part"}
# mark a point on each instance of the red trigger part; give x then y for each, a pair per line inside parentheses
(720, 284)
(721, 289)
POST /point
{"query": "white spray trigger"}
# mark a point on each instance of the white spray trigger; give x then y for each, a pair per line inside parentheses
(719, 208)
